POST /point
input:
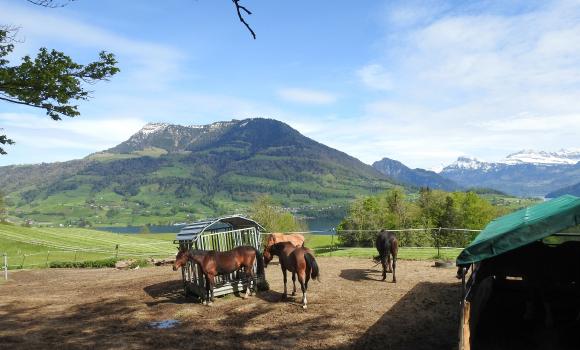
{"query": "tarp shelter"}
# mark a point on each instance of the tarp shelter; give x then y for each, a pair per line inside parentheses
(522, 227)
(509, 238)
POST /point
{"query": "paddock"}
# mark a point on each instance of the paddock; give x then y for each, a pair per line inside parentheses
(350, 308)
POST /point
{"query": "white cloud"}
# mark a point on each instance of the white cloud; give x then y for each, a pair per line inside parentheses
(479, 82)
(144, 64)
(375, 77)
(307, 96)
(87, 134)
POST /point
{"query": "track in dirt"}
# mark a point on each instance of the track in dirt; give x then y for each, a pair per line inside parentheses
(350, 308)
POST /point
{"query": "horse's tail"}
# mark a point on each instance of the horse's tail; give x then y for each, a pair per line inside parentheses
(260, 262)
(310, 261)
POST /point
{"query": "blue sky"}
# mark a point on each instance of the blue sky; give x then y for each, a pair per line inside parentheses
(421, 82)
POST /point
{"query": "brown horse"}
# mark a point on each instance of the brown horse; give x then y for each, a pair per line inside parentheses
(388, 246)
(299, 261)
(296, 239)
(213, 263)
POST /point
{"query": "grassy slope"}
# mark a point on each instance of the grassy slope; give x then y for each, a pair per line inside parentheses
(66, 243)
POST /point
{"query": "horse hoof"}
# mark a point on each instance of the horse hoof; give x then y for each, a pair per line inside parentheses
(293, 294)
(209, 304)
(304, 307)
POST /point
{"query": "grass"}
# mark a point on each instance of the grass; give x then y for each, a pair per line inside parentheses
(38, 247)
(327, 245)
(30, 247)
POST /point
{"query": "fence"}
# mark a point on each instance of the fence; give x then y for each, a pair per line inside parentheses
(45, 258)
(415, 243)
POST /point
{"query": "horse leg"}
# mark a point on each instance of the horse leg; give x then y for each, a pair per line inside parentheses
(249, 276)
(301, 279)
(285, 295)
(394, 268)
(293, 283)
(207, 290)
(384, 264)
(211, 287)
(389, 268)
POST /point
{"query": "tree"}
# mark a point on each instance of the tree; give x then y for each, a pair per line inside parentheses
(51, 81)
(2, 208)
(272, 217)
(240, 9)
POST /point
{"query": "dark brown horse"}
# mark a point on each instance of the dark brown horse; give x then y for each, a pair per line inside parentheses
(299, 261)
(213, 263)
(388, 246)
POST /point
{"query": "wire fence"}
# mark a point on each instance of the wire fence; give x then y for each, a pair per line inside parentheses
(73, 255)
(415, 243)
(420, 243)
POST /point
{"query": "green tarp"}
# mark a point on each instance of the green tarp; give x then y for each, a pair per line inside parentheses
(522, 227)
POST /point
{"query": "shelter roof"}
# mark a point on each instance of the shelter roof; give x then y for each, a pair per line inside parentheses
(522, 227)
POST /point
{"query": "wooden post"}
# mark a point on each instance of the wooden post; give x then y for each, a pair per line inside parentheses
(332, 242)
(465, 332)
(75, 256)
(47, 255)
(438, 242)
(22, 262)
(5, 266)
(116, 251)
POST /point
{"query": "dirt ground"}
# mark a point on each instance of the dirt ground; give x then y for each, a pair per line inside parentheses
(350, 308)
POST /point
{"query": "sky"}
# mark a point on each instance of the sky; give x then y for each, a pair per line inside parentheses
(422, 82)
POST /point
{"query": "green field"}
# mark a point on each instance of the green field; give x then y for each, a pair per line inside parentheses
(36, 247)
(29, 247)
(327, 245)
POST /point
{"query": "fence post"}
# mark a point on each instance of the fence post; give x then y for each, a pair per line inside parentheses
(75, 256)
(116, 251)
(438, 242)
(332, 241)
(22, 263)
(47, 255)
(6, 266)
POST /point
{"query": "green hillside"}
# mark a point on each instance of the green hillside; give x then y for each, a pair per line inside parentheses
(206, 171)
(34, 247)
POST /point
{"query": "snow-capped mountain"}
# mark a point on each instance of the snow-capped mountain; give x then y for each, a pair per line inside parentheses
(170, 137)
(468, 163)
(524, 173)
(562, 156)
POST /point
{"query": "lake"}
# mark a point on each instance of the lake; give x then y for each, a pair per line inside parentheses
(322, 226)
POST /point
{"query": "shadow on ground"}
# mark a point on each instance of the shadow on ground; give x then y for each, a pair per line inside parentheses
(398, 330)
(361, 275)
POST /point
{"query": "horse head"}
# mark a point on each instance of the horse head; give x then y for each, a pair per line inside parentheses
(267, 255)
(180, 259)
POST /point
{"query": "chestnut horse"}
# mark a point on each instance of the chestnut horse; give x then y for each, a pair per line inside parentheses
(296, 239)
(299, 261)
(213, 263)
(387, 246)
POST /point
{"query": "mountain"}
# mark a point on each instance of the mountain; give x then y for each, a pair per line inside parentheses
(573, 190)
(414, 177)
(176, 173)
(524, 173)
(562, 156)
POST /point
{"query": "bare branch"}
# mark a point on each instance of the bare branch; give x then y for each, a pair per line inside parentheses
(50, 3)
(240, 8)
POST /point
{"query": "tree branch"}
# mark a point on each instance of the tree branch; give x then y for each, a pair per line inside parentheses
(240, 8)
